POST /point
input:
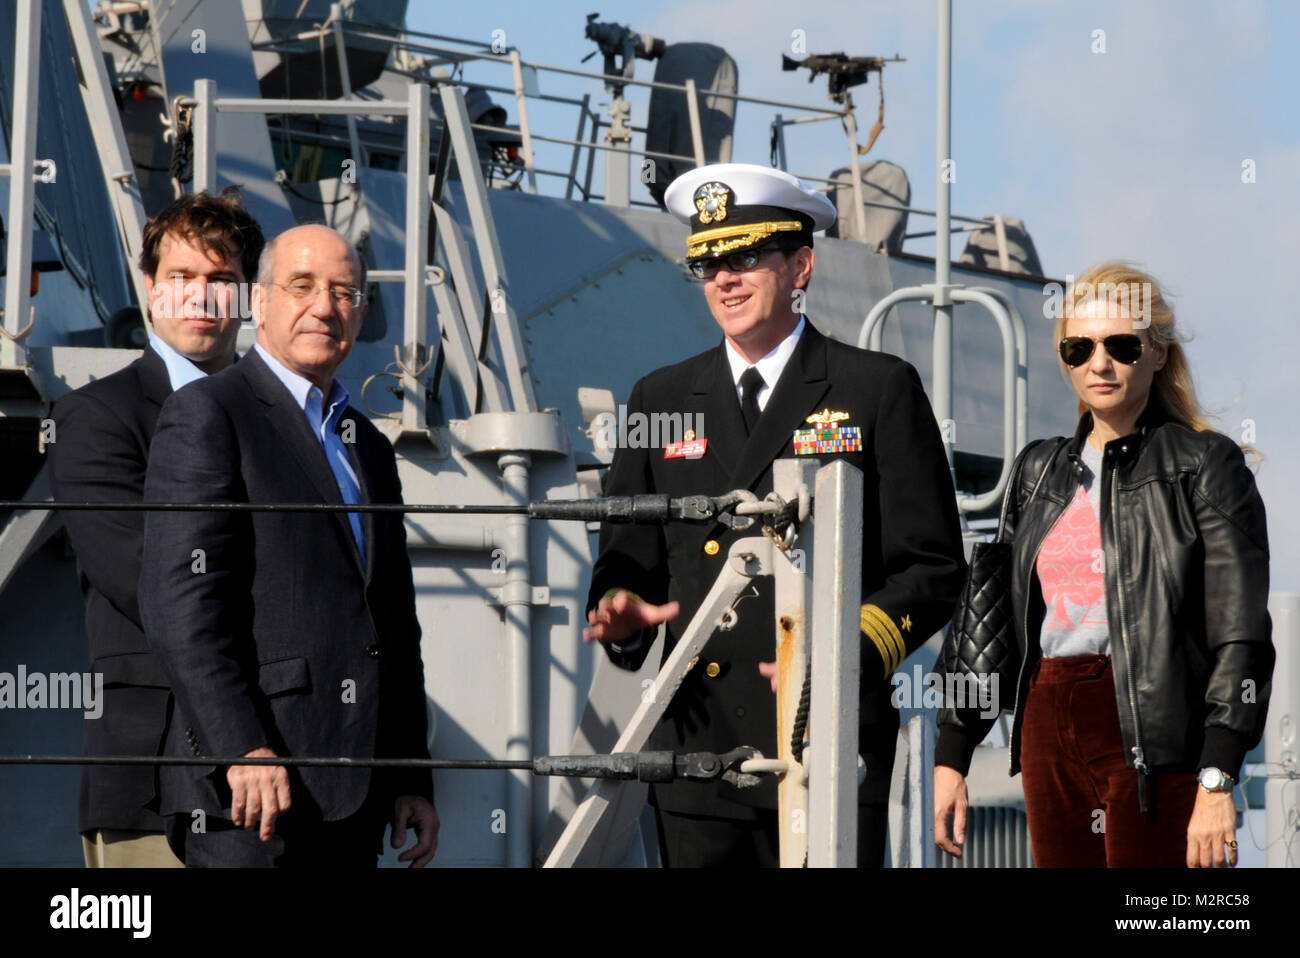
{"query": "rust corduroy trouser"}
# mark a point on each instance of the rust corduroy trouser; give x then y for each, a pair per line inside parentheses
(1081, 799)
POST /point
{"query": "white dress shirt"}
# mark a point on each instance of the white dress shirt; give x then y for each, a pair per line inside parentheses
(769, 367)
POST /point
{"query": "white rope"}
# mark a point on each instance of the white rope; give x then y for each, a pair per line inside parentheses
(773, 504)
(760, 765)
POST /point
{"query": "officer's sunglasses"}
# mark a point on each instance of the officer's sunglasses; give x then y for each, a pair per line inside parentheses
(1122, 347)
(741, 261)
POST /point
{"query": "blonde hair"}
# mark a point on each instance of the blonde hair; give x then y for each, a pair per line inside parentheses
(1141, 296)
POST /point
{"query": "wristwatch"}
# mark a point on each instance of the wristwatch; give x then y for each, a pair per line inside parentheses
(1215, 780)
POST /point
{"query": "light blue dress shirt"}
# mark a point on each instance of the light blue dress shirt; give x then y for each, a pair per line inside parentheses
(323, 416)
(180, 371)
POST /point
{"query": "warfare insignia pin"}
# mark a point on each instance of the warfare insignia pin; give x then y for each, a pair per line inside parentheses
(826, 417)
(711, 201)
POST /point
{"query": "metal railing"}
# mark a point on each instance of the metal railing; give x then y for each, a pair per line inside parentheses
(22, 196)
(578, 180)
(465, 337)
(1015, 368)
(817, 797)
(817, 583)
(342, 30)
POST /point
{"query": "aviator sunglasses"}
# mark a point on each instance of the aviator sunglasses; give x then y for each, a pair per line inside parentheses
(739, 262)
(1122, 347)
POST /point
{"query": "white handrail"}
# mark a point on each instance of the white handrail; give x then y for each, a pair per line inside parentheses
(1015, 375)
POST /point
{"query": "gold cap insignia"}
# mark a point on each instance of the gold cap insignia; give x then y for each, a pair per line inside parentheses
(711, 201)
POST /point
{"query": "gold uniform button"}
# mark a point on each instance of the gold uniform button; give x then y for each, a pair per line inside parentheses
(711, 547)
(712, 670)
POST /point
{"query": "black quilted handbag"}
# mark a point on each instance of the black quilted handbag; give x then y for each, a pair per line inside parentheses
(982, 639)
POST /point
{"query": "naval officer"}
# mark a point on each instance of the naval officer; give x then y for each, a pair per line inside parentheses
(773, 388)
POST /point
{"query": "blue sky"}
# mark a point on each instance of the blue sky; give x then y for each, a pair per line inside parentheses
(1135, 153)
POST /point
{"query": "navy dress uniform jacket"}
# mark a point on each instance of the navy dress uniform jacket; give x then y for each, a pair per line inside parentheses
(912, 564)
(99, 454)
(275, 635)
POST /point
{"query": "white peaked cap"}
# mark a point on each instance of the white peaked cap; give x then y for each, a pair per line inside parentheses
(752, 185)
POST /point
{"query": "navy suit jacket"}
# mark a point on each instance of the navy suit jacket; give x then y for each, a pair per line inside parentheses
(99, 454)
(268, 625)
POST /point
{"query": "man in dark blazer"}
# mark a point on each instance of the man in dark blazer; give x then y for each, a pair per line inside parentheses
(286, 633)
(190, 249)
(774, 388)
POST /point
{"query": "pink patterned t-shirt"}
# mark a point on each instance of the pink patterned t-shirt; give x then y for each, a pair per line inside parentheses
(1071, 572)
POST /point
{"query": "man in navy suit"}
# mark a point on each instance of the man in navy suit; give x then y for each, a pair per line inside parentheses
(193, 250)
(286, 633)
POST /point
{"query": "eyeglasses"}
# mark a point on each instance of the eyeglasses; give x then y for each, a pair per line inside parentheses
(343, 296)
(741, 261)
(1122, 347)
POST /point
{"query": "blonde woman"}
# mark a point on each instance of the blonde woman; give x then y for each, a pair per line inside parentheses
(1140, 583)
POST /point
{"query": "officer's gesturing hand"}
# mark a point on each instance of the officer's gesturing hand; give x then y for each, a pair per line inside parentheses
(258, 792)
(621, 616)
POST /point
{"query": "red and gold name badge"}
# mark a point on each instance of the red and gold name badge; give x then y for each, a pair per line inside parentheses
(827, 435)
(690, 449)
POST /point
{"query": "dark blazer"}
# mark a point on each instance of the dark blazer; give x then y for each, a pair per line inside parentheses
(270, 629)
(99, 453)
(912, 565)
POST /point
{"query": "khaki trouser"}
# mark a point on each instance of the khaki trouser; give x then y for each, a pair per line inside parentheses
(119, 848)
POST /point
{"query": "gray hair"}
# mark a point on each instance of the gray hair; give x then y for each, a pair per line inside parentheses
(266, 263)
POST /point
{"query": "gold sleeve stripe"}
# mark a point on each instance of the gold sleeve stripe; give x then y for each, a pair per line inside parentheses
(880, 628)
(880, 646)
(871, 629)
(892, 631)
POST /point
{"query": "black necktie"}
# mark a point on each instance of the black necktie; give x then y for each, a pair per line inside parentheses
(750, 383)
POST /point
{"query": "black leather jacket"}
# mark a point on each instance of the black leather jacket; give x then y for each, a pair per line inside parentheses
(1186, 568)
